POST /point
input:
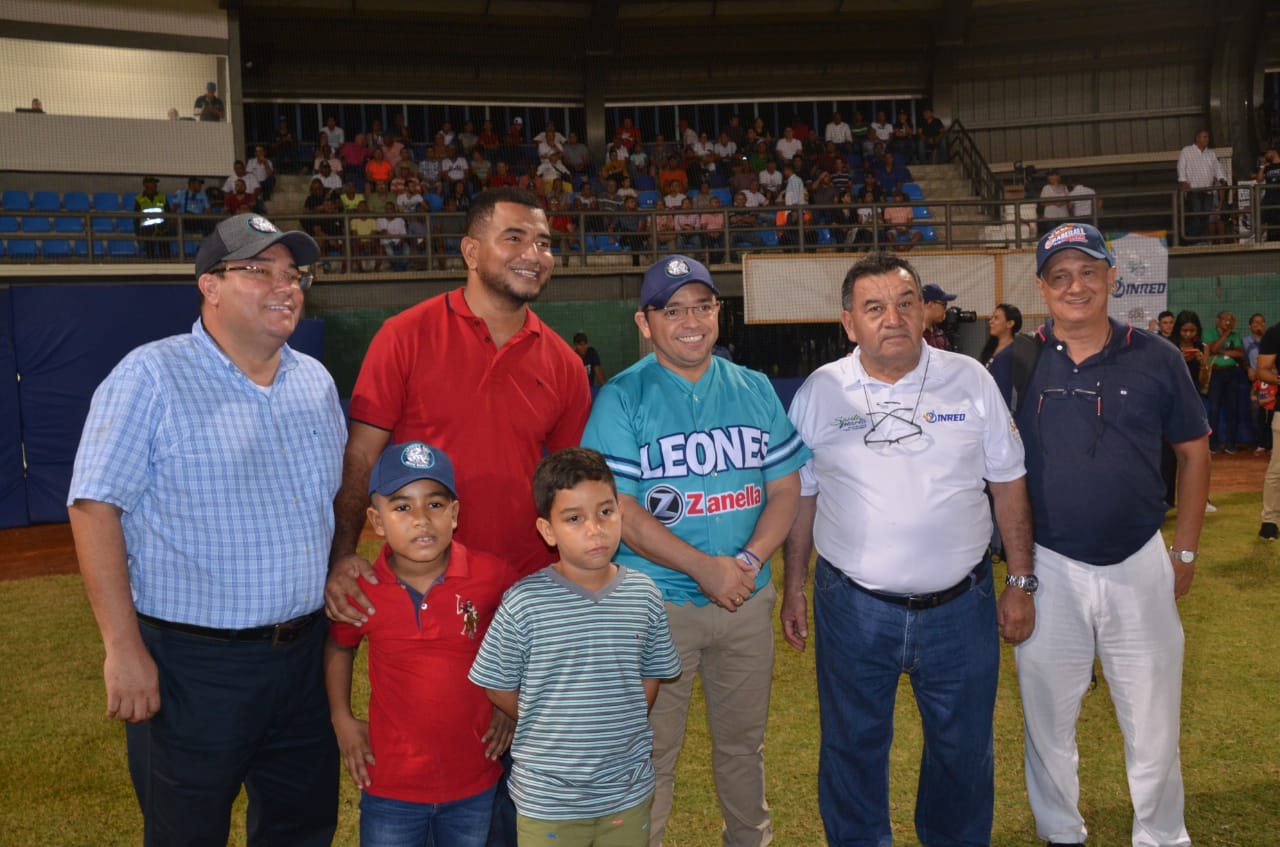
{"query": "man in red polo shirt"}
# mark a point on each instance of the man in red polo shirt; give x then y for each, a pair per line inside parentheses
(476, 373)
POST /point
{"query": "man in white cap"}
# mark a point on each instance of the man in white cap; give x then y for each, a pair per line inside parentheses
(201, 505)
(1101, 399)
(707, 464)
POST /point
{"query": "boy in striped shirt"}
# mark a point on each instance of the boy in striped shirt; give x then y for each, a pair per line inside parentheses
(575, 653)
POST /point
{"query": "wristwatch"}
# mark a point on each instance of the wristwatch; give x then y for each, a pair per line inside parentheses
(1028, 582)
(1187, 557)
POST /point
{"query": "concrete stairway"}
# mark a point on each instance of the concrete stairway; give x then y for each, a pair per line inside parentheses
(946, 182)
(285, 207)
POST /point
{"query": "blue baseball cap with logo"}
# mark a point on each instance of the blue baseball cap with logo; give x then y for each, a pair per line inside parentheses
(668, 275)
(1082, 237)
(410, 461)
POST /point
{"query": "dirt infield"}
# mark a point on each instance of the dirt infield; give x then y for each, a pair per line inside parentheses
(47, 549)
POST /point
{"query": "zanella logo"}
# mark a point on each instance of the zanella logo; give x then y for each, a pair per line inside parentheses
(670, 506)
(943, 417)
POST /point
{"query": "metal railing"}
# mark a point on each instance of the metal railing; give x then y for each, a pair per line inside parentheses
(587, 236)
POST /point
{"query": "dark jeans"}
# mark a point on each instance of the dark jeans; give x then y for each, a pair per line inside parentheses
(1224, 404)
(233, 714)
(1198, 201)
(952, 656)
(1262, 426)
(502, 820)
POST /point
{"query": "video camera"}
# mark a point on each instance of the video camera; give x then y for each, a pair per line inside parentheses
(955, 316)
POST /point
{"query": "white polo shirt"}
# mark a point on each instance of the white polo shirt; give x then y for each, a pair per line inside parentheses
(912, 517)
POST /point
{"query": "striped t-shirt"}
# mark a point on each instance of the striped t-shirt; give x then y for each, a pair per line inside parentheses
(583, 743)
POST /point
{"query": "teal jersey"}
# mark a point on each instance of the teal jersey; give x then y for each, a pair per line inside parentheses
(696, 456)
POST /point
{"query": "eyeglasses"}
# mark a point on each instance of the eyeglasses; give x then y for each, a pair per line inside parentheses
(902, 416)
(1089, 395)
(267, 275)
(675, 313)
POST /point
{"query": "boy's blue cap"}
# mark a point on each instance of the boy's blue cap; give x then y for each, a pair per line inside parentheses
(667, 275)
(401, 464)
(1082, 237)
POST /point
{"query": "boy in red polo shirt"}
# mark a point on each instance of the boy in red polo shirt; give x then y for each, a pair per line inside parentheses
(427, 758)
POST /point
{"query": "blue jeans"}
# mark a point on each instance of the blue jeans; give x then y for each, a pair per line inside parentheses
(1225, 386)
(398, 823)
(952, 655)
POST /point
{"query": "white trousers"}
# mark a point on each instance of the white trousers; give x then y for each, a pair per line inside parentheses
(1125, 614)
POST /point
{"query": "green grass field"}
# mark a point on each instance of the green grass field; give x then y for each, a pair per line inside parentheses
(64, 782)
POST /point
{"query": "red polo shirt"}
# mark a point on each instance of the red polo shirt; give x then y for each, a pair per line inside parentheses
(433, 373)
(426, 719)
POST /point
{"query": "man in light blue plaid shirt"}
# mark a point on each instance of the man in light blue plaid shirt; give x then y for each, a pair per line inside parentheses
(201, 505)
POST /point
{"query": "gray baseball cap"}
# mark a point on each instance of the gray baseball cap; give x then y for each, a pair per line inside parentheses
(245, 236)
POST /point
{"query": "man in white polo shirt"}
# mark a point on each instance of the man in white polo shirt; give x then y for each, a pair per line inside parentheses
(905, 438)
(1198, 170)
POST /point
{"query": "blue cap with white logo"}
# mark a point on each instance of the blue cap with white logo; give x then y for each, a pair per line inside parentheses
(401, 464)
(1082, 237)
(667, 275)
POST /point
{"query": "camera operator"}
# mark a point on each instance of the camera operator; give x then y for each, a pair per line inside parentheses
(942, 322)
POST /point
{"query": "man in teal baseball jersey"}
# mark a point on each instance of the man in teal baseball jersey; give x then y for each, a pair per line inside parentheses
(707, 466)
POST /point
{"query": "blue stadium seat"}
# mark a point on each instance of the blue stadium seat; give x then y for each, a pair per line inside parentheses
(15, 200)
(692, 193)
(8, 223)
(46, 201)
(769, 237)
(824, 236)
(127, 199)
(912, 191)
(724, 195)
(434, 202)
(926, 232)
(124, 248)
(106, 201)
(922, 212)
(75, 201)
(23, 248)
(57, 249)
(609, 244)
(68, 224)
(649, 199)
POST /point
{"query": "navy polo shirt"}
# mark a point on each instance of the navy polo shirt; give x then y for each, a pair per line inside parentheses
(1093, 433)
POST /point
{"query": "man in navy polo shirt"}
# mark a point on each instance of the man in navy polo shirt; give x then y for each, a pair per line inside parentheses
(1102, 398)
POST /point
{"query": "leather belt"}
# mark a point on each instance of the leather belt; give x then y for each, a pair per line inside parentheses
(275, 634)
(917, 602)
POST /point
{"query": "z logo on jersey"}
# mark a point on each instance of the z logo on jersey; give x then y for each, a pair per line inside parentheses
(669, 506)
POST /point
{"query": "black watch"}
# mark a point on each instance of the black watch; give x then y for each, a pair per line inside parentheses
(1028, 583)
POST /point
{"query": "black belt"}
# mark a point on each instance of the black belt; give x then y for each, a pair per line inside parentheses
(280, 633)
(916, 602)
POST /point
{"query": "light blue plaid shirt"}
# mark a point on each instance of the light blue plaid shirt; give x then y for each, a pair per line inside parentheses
(227, 487)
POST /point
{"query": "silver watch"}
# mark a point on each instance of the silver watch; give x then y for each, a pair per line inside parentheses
(1028, 583)
(1187, 557)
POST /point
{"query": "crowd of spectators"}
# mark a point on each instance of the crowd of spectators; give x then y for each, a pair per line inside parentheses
(378, 194)
(647, 193)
